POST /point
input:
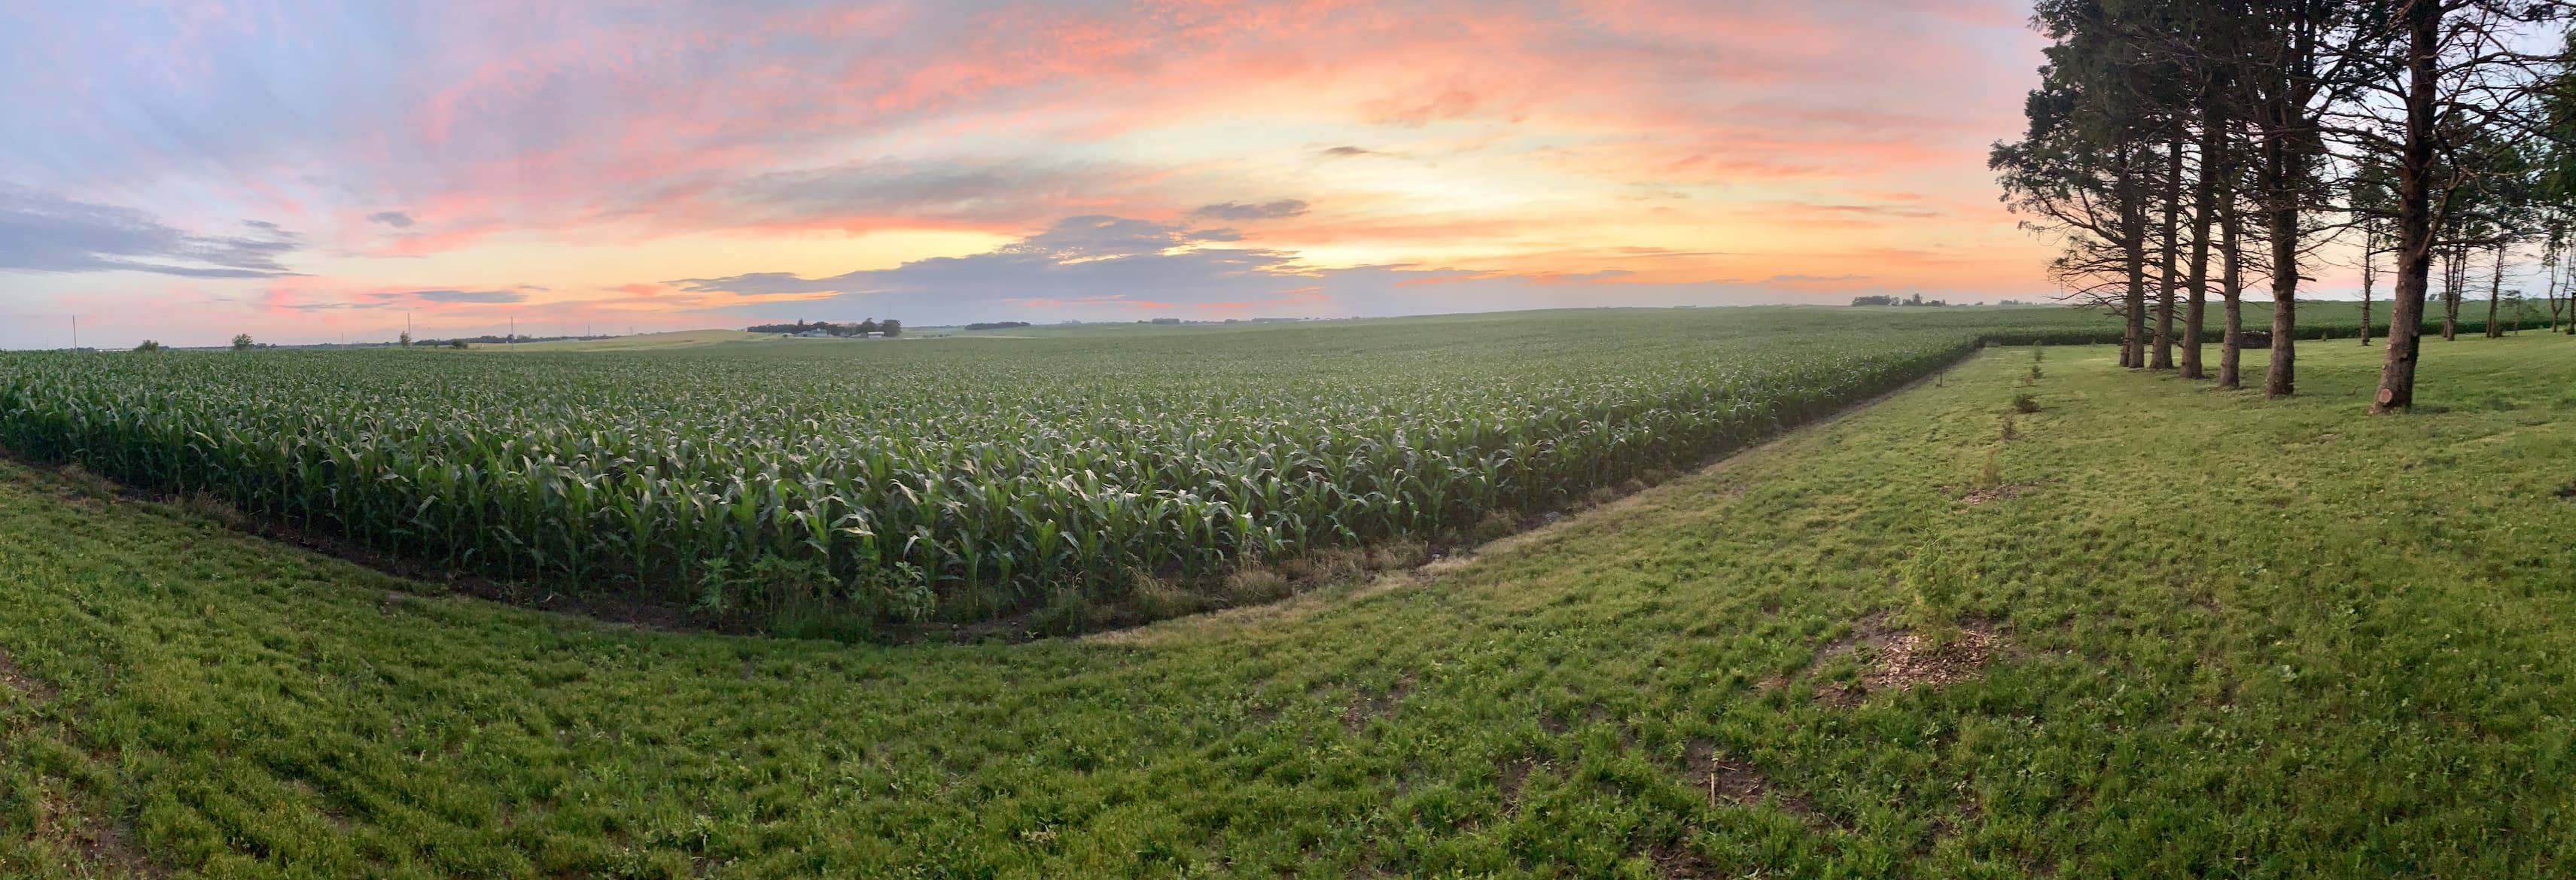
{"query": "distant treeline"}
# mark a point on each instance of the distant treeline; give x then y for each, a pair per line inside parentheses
(1917, 300)
(485, 339)
(890, 327)
(996, 325)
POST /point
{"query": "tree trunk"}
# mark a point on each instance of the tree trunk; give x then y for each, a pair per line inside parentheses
(2549, 269)
(2172, 249)
(2133, 244)
(2369, 272)
(2283, 213)
(2495, 295)
(2231, 288)
(2204, 197)
(2454, 271)
(2414, 214)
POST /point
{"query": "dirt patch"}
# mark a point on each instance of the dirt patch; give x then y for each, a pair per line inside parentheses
(16, 679)
(1949, 825)
(1365, 705)
(1727, 780)
(1679, 863)
(1896, 659)
(1995, 493)
(1912, 659)
(1515, 775)
(101, 844)
(1903, 660)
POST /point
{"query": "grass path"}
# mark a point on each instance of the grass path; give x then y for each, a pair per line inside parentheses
(2236, 638)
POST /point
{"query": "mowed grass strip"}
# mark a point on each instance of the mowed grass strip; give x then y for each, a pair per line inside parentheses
(2219, 636)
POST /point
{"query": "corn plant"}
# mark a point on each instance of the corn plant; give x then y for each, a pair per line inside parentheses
(909, 474)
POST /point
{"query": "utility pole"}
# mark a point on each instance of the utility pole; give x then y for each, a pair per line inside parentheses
(75, 332)
(513, 339)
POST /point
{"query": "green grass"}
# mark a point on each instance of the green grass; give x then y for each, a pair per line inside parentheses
(2236, 638)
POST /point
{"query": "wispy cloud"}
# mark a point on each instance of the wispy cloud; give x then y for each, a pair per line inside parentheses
(46, 233)
(1265, 211)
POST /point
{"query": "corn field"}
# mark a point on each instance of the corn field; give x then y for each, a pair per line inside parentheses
(914, 473)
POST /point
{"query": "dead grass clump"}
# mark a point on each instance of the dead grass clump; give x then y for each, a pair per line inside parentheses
(1330, 565)
(1494, 526)
(1155, 598)
(1251, 585)
(1408, 554)
(81, 482)
(214, 510)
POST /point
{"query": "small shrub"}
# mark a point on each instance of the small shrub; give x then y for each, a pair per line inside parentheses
(2024, 403)
(2009, 433)
(1992, 475)
(459, 344)
(2038, 354)
(1065, 613)
(2034, 372)
(1937, 588)
(149, 345)
(715, 588)
(1495, 525)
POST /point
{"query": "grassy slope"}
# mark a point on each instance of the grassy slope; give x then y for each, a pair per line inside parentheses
(2252, 638)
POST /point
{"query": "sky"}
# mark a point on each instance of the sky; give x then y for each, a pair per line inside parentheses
(314, 172)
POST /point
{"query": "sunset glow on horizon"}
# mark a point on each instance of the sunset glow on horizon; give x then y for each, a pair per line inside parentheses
(310, 172)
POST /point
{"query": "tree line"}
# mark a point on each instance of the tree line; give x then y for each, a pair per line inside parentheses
(890, 327)
(2179, 148)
